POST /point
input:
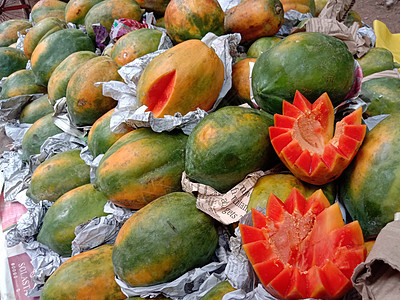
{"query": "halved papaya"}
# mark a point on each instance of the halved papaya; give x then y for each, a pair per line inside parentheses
(302, 249)
(304, 139)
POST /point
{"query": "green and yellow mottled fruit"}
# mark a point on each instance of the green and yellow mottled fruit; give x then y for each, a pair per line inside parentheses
(193, 19)
(76, 10)
(164, 240)
(241, 80)
(159, 297)
(142, 166)
(100, 137)
(353, 17)
(58, 175)
(157, 6)
(11, 60)
(302, 6)
(107, 11)
(254, 19)
(36, 109)
(135, 44)
(48, 8)
(278, 73)
(38, 31)
(218, 291)
(52, 50)
(261, 45)
(86, 102)
(75, 207)
(88, 275)
(319, 5)
(9, 31)
(58, 82)
(171, 83)
(382, 95)
(369, 187)
(281, 185)
(227, 145)
(376, 60)
(21, 82)
(37, 134)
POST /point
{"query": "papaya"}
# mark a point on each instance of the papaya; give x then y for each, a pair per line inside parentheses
(51, 51)
(281, 186)
(19, 83)
(302, 249)
(319, 5)
(38, 31)
(9, 30)
(353, 17)
(11, 60)
(254, 19)
(58, 82)
(157, 6)
(87, 275)
(277, 73)
(261, 45)
(218, 291)
(142, 166)
(157, 244)
(303, 6)
(135, 44)
(76, 10)
(100, 137)
(171, 83)
(48, 8)
(36, 109)
(369, 186)
(75, 207)
(105, 12)
(314, 147)
(58, 175)
(241, 80)
(37, 134)
(85, 101)
(382, 96)
(193, 19)
(377, 59)
(227, 145)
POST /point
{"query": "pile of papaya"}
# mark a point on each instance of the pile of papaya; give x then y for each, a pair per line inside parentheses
(282, 112)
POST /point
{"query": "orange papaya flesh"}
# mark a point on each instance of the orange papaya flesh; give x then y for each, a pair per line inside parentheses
(304, 249)
(305, 140)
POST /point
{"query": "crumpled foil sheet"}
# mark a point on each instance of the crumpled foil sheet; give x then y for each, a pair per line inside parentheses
(62, 119)
(292, 18)
(11, 108)
(228, 4)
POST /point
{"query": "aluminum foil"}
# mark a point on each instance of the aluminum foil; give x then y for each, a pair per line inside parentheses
(20, 41)
(228, 4)
(292, 18)
(95, 232)
(55, 144)
(29, 224)
(11, 108)
(128, 112)
(121, 214)
(62, 119)
(15, 172)
(367, 31)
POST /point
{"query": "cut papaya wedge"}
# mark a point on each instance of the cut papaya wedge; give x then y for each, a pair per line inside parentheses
(308, 143)
(305, 250)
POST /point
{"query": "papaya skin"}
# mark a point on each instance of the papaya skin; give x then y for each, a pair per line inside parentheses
(254, 19)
